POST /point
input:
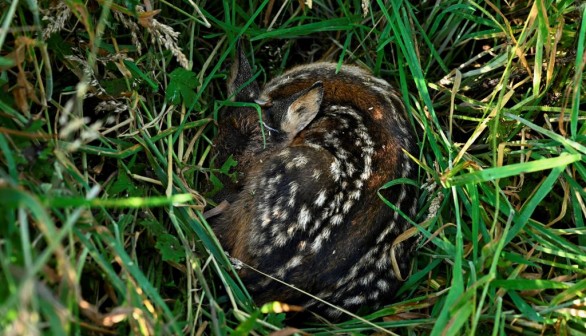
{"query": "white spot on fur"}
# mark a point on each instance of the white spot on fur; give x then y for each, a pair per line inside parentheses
(383, 285)
(383, 262)
(280, 240)
(304, 217)
(291, 202)
(293, 188)
(321, 198)
(365, 175)
(347, 206)
(265, 219)
(326, 233)
(297, 162)
(316, 245)
(285, 153)
(316, 174)
(337, 219)
(367, 279)
(294, 262)
(350, 169)
(302, 245)
(357, 300)
(335, 169)
(342, 154)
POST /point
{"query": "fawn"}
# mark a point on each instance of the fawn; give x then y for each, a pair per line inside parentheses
(305, 207)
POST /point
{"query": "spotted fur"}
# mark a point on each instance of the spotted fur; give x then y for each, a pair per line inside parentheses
(305, 208)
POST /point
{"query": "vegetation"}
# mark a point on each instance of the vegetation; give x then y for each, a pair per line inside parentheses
(107, 112)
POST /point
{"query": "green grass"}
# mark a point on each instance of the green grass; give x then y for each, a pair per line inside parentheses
(105, 151)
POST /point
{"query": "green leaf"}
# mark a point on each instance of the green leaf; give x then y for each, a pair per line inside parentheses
(153, 226)
(247, 325)
(122, 184)
(217, 185)
(170, 248)
(230, 162)
(59, 47)
(114, 86)
(513, 170)
(49, 310)
(131, 5)
(182, 87)
(123, 202)
(124, 220)
(526, 284)
(337, 24)
(6, 62)
(522, 218)
(524, 307)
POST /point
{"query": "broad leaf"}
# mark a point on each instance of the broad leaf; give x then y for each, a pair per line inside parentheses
(182, 86)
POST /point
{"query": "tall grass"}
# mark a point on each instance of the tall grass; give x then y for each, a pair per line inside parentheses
(107, 113)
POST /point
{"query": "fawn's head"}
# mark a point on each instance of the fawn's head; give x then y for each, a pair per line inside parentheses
(282, 119)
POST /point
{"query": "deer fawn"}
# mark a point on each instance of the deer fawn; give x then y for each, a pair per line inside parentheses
(305, 207)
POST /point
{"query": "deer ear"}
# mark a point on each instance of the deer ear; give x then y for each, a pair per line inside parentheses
(241, 73)
(303, 109)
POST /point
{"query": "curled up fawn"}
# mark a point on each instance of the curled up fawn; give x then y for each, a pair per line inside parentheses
(305, 207)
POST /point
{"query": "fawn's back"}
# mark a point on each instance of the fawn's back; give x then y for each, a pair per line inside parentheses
(305, 208)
